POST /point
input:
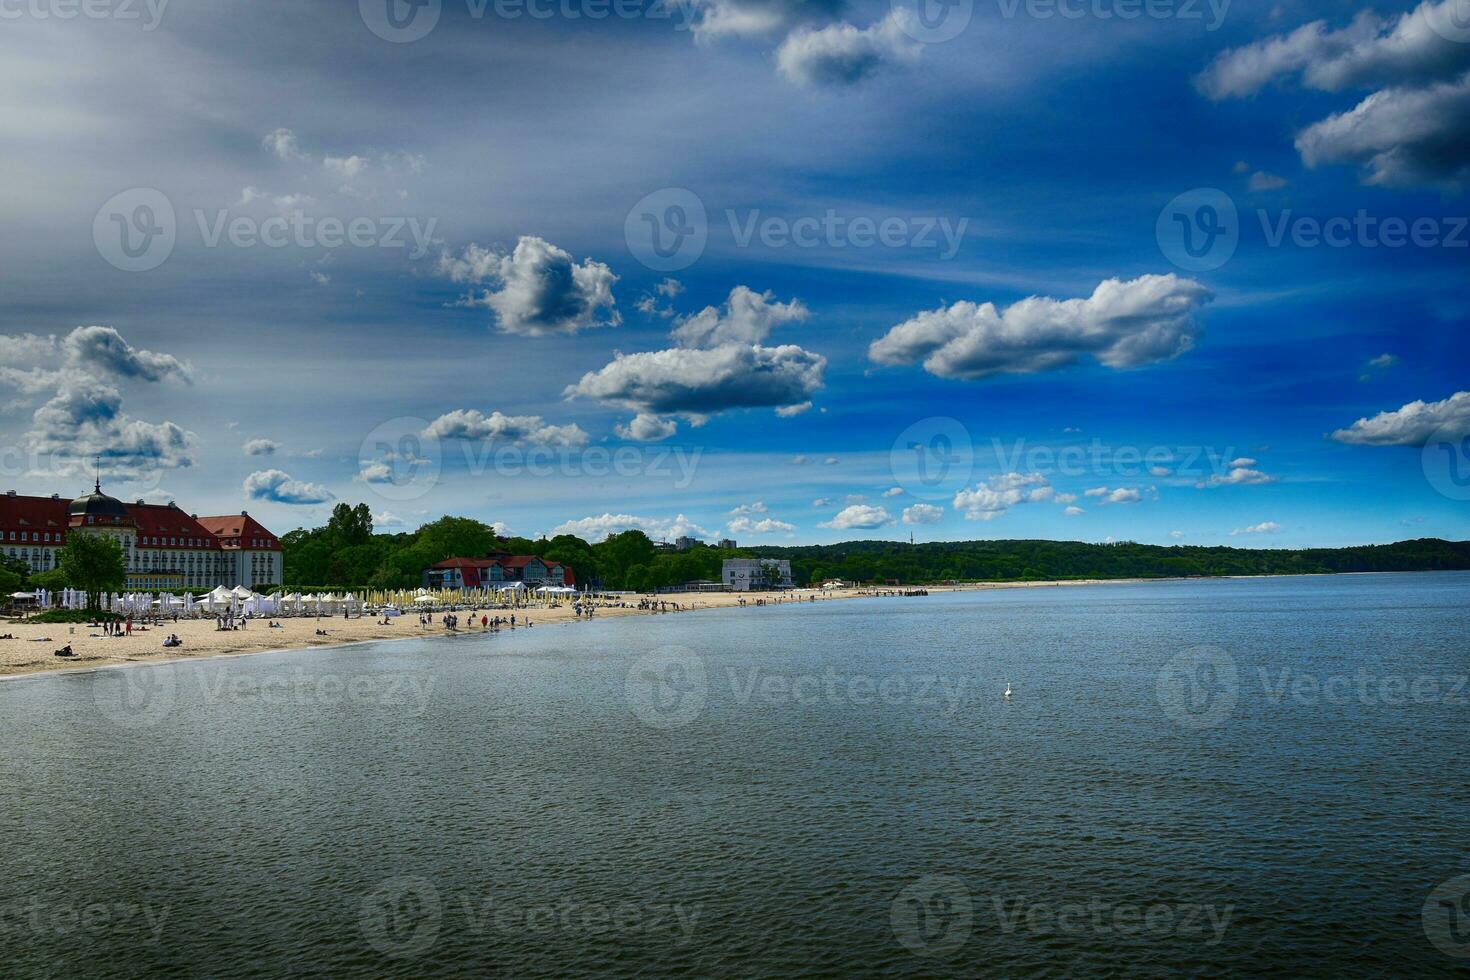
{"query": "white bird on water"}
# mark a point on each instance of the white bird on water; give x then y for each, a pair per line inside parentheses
(1008, 688)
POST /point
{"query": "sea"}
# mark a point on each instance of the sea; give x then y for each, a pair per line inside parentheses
(1232, 777)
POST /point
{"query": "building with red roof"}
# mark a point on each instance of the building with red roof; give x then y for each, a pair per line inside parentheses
(495, 570)
(164, 546)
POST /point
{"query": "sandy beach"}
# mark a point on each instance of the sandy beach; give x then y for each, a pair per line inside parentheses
(32, 649)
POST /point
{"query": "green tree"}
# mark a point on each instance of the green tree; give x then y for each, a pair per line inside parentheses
(351, 525)
(93, 563)
(52, 581)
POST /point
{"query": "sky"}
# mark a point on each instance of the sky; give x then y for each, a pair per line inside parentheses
(784, 271)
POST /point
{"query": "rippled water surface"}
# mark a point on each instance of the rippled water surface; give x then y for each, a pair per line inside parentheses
(1251, 776)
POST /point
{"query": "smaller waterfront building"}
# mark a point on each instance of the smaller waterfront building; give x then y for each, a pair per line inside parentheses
(496, 570)
(751, 574)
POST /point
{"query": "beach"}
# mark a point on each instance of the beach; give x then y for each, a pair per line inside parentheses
(32, 649)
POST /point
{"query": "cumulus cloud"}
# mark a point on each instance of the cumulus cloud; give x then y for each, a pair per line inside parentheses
(859, 516)
(763, 525)
(1121, 325)
(647, 428)
(822, 502)
(1413, 424)
(1383, 361)
(1073, 511)
(595, 529)
(694, 382)
(278, 487)
(893, 492)
(1242, 472)
(747, 317)
(1119, 495)
(841, 54)
(104, 351)
(1265, 527)
(522, 430)
(923, 514)
(261, 447)
(745, 510)
(995, 496)
(1263, 180)
(84, 420)
(541, 288)
(283, 144)
(719, 19)
(1413, 129)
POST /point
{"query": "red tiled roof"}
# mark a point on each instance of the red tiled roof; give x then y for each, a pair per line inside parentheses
(155, 522)
(231, 529)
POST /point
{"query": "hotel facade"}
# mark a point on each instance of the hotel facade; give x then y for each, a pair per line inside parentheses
(164, 547)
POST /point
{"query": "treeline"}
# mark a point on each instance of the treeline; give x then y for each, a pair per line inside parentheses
(347, 553)
(864, 561)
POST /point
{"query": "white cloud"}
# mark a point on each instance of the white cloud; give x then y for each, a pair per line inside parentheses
(1118, 495)
(765, 525)
(278, 487)
(859, 516)
(1383, 361)
(1073, 511)
(647, 428)
(542, 290)
(1265, 527)
(822, 502)
(747, 317)
(788, 411)
(103, 350)
(1176, 535)
(686, 381)
(1263, 180)
(995, 496)
(893, 492)
(386, 518)
(523, 430)
(261, 447)
(594, 529)
(1411, 425)
(1414, 129)
(1242, 472)
(841, 54)
(1122, 325)
(282, 142)
(923, 514)
(746, 510)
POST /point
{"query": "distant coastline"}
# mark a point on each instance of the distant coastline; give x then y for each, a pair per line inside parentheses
(27, 655)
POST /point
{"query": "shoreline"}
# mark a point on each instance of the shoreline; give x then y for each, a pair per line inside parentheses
(28, 656)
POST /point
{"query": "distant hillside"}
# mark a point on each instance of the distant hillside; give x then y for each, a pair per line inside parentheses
(1043, 560)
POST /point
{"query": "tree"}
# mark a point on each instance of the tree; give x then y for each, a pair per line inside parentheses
(351, 525)
(93, 563)
(52, 581)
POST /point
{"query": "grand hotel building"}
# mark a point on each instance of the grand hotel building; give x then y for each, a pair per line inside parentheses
(165, 548)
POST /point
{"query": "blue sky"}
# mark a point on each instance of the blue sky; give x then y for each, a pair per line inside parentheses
(857, 182)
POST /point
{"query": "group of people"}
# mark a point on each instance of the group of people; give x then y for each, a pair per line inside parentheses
(115, 627)
(659, 605)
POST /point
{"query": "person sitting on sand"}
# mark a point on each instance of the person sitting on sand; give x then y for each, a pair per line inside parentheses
(65, 651)
(173, 641)
(321, 632)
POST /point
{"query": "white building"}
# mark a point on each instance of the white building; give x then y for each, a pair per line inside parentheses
(748, 574)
